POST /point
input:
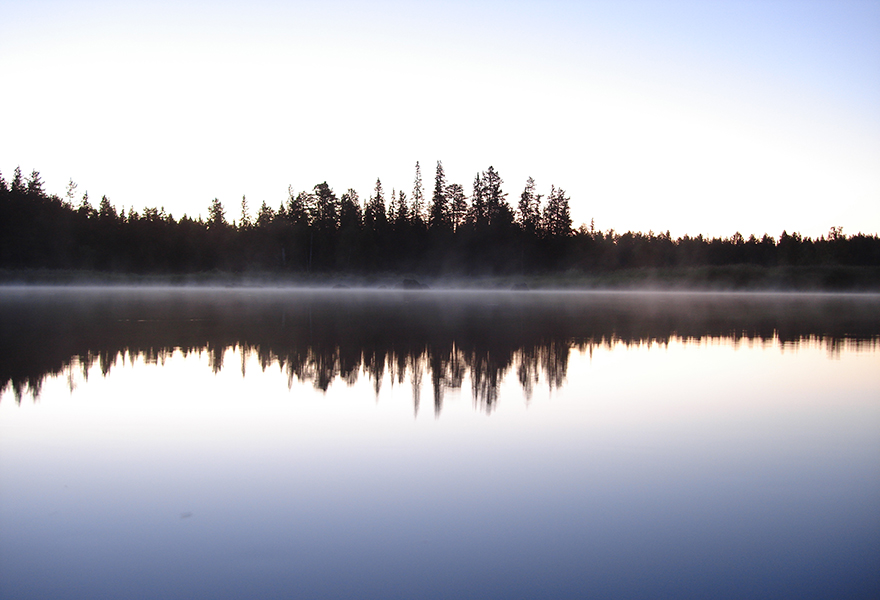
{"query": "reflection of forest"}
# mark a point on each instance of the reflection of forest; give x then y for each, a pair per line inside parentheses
(445, 338)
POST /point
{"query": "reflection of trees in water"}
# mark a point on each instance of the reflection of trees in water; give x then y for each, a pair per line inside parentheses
(430, 339)
(445, 368)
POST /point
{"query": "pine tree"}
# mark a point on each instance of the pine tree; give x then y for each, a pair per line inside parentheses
(325, 216)
(299, 207)
(457, 205)
(71, 192)
(557, 214)
(400, 213)
(374, 213)
(245, 222)
(418, 200)
(529, 209)
(17, 186)
(265, 215)
(349, 210)
(438, 217)
(106, 211)
(35, 184)
(497, 209)
(216, 214)
(85, 207)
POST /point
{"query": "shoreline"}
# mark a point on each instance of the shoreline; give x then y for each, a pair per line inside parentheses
(734, 278)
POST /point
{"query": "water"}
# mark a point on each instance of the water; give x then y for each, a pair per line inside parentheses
(271, 443)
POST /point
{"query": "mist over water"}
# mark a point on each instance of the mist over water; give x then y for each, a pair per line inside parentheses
(227, 442)
(318, 336)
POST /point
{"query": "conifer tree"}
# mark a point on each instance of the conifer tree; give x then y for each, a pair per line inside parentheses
(557, 214)
(325, 213)
(457, 202)
(265, 215)
(17, 186)
(85, 207)
(106, 211)
(349, 210)
(418, 200)
(299, 209)
(374, 213)
(438, 217)
(477, 210)
(216, 214)
(71, 192)
(245, 222)
(529, 208)
(497, 209)
(35, 184)
(400, 212)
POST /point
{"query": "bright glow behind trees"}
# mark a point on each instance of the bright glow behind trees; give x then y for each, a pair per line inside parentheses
(651, 116)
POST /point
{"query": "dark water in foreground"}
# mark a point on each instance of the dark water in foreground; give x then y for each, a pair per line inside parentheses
(267, 443)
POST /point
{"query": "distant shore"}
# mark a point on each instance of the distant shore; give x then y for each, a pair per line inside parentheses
(722, 278)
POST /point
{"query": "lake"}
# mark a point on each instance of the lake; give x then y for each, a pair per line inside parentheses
(276, 443)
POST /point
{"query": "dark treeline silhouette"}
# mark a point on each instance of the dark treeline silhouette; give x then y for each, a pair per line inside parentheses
(442, 339)
(442, 232)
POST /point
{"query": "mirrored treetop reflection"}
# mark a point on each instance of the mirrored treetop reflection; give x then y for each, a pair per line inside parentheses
(444, 338)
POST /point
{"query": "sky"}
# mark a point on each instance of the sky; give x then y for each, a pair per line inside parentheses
(692, 117)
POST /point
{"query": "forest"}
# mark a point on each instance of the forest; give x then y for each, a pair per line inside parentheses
(446, 233)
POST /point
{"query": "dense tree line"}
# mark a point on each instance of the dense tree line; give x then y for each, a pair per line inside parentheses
(320, 231)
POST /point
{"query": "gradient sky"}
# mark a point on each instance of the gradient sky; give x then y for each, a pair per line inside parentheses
(693, 117)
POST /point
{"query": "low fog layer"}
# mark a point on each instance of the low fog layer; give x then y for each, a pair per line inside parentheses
(318, 336)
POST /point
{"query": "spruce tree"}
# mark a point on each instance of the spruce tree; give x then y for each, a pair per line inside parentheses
(418, 200)
(216, 214)
(265, 215)
(438, 217)
(245, 222)
(529, 209)
(477, 211)
(35, 184)
(71, 192)
(497, 209)
(374, 213)
(106, 211)
(85, 207)
(400, 214)
(17, 186)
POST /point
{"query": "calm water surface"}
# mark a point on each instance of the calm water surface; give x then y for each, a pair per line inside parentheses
(277, 444)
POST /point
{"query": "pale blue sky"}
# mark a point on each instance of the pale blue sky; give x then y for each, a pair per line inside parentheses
(697, 117)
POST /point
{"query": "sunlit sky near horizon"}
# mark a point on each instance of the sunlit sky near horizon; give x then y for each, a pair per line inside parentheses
(693, 117)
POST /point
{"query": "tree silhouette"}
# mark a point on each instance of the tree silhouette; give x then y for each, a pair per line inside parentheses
(374, 213)
(438, 217)
(35, 184)
(17, 186)
(529, 209)
(457, 205)
(325, 215)
(400, 210)
(477, 214)
(315, 231)
(71, 192)
(216, 214)
(557, 214)
(245, 222)
(418, 198)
